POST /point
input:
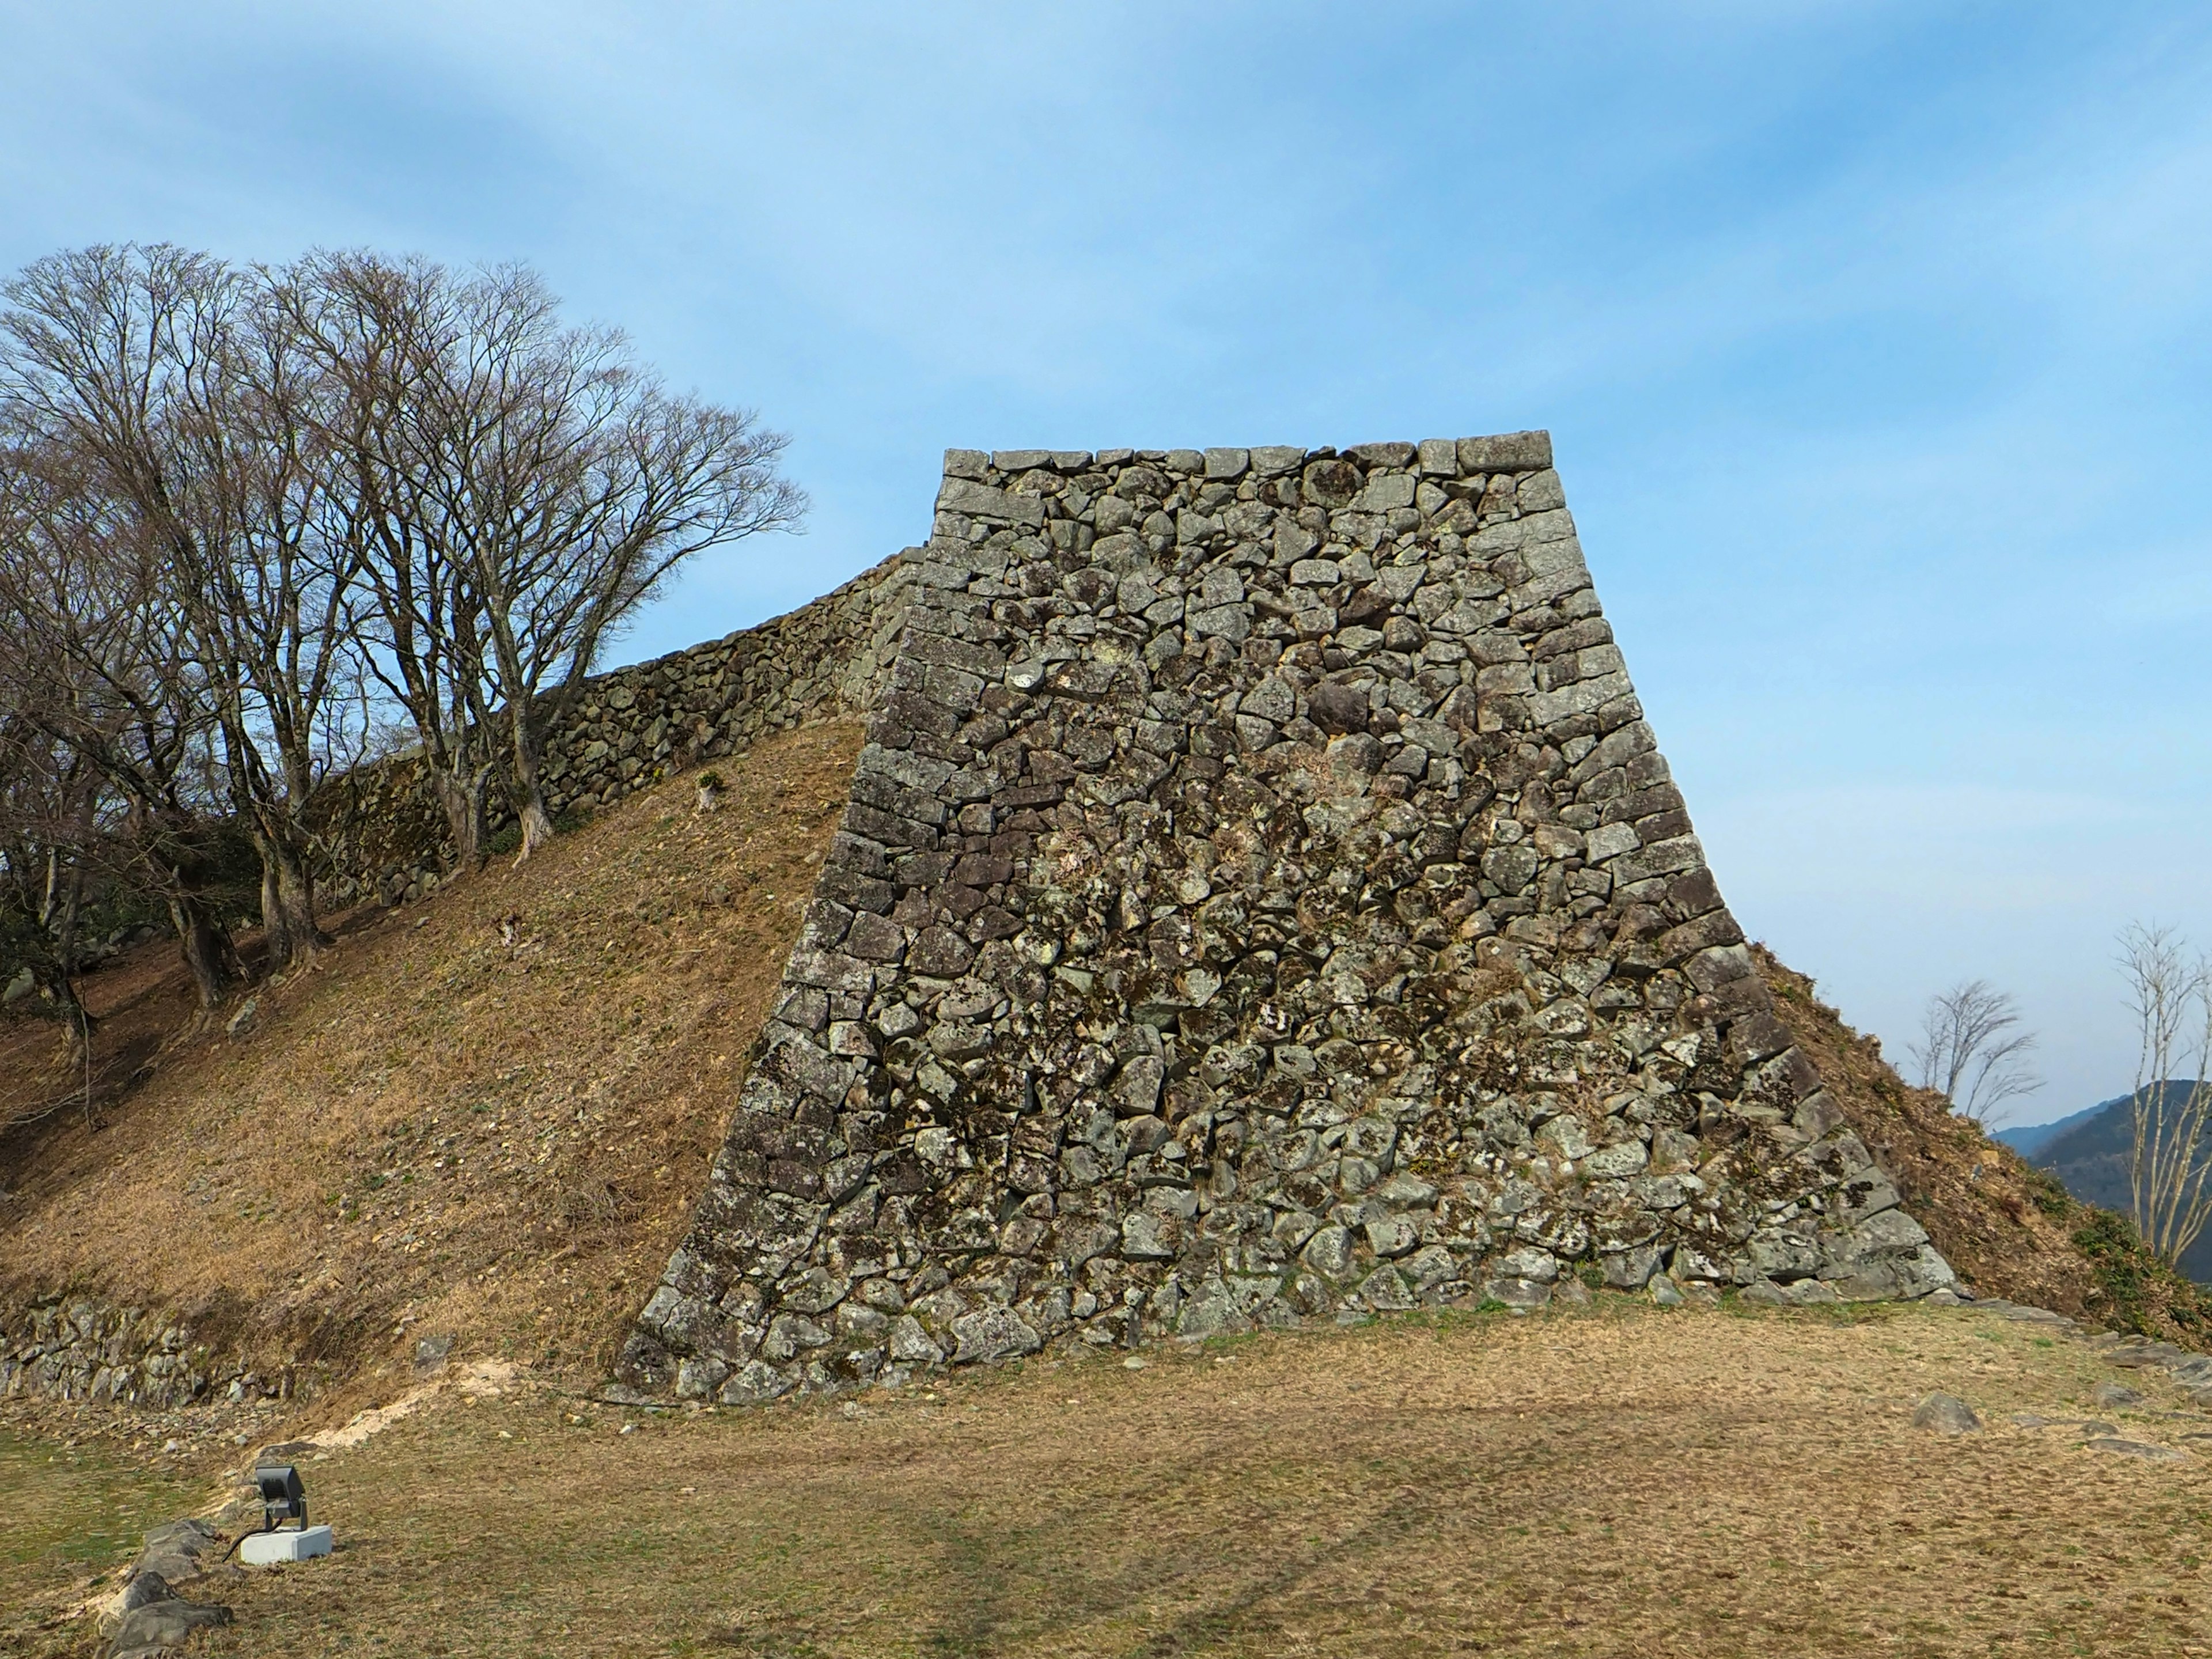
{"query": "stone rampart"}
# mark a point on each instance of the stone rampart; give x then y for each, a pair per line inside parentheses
(1261, 900)
(629, 726)
(82, 1348)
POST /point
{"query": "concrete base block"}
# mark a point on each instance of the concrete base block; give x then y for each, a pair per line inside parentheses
(266, 1549)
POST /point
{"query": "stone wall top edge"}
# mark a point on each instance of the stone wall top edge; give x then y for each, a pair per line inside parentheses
(882, 569)
(1509, 451)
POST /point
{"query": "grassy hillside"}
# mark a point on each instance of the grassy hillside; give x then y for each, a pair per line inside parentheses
(2093, 1158)
(440, 1133)
(2010, 1230)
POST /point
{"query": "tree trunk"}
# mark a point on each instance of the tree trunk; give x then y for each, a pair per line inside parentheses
(209, 955)
(529, 789)
(295, 903)
(462, 795)
(64, 929)
(536, 826)
(275, 925)
(292, 936)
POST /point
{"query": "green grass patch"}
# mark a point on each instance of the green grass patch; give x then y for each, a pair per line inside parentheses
(73, 1512)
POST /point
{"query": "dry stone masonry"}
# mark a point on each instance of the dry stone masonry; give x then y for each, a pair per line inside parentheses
(79, 1348)
(631, 727)
(1261, 901)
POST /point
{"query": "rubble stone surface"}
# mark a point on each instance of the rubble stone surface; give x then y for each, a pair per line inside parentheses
(79, 1347)
(629, 728)
(1261, 900)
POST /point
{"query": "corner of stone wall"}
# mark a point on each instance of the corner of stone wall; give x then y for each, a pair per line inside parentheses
(1261, 899)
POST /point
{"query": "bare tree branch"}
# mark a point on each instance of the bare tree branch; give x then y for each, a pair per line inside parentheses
(96, 656)
(2169, 993)
(521, 487)
(1970, 1054)
(173, 383)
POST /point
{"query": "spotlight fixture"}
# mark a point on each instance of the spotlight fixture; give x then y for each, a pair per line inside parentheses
(283, 1498)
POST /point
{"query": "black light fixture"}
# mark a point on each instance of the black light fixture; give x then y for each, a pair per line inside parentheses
(283, 1496)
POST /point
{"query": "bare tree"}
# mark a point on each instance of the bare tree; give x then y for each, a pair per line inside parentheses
(96, 656)
(232, 498)
(376, 330)
(521, 488)
(2169, 993)
(1970, 1051)
(176, 384)
(48, 803)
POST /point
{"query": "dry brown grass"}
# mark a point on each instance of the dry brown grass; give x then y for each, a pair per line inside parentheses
(2007, 1228)
(1618, 1482)
(436, 1133)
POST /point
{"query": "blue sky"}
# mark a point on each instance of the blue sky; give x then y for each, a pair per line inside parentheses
(1874, 339)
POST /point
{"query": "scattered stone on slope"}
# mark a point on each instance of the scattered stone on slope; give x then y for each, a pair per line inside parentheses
(2150, 1356)
(2115, 1396)
(431, 1353)
(2081, 1426)
(2191, 1372)
(2141, 1449)
(1945, 1413)
(2020, 1314)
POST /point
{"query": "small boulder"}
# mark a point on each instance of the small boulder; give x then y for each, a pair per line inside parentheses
(177, 1549)
(992, 1333)
(144, 1588)
(1520, 1294)
(2143, 1449)
(1946, 1414)
(168, 1623)
(2115, 1396)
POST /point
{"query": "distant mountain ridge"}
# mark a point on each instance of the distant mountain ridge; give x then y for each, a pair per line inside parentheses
(2090, 1152)
(2029, 1139)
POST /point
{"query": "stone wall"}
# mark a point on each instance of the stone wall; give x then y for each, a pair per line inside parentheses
(1261, 900)
(82, 1348)
(631, 727)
